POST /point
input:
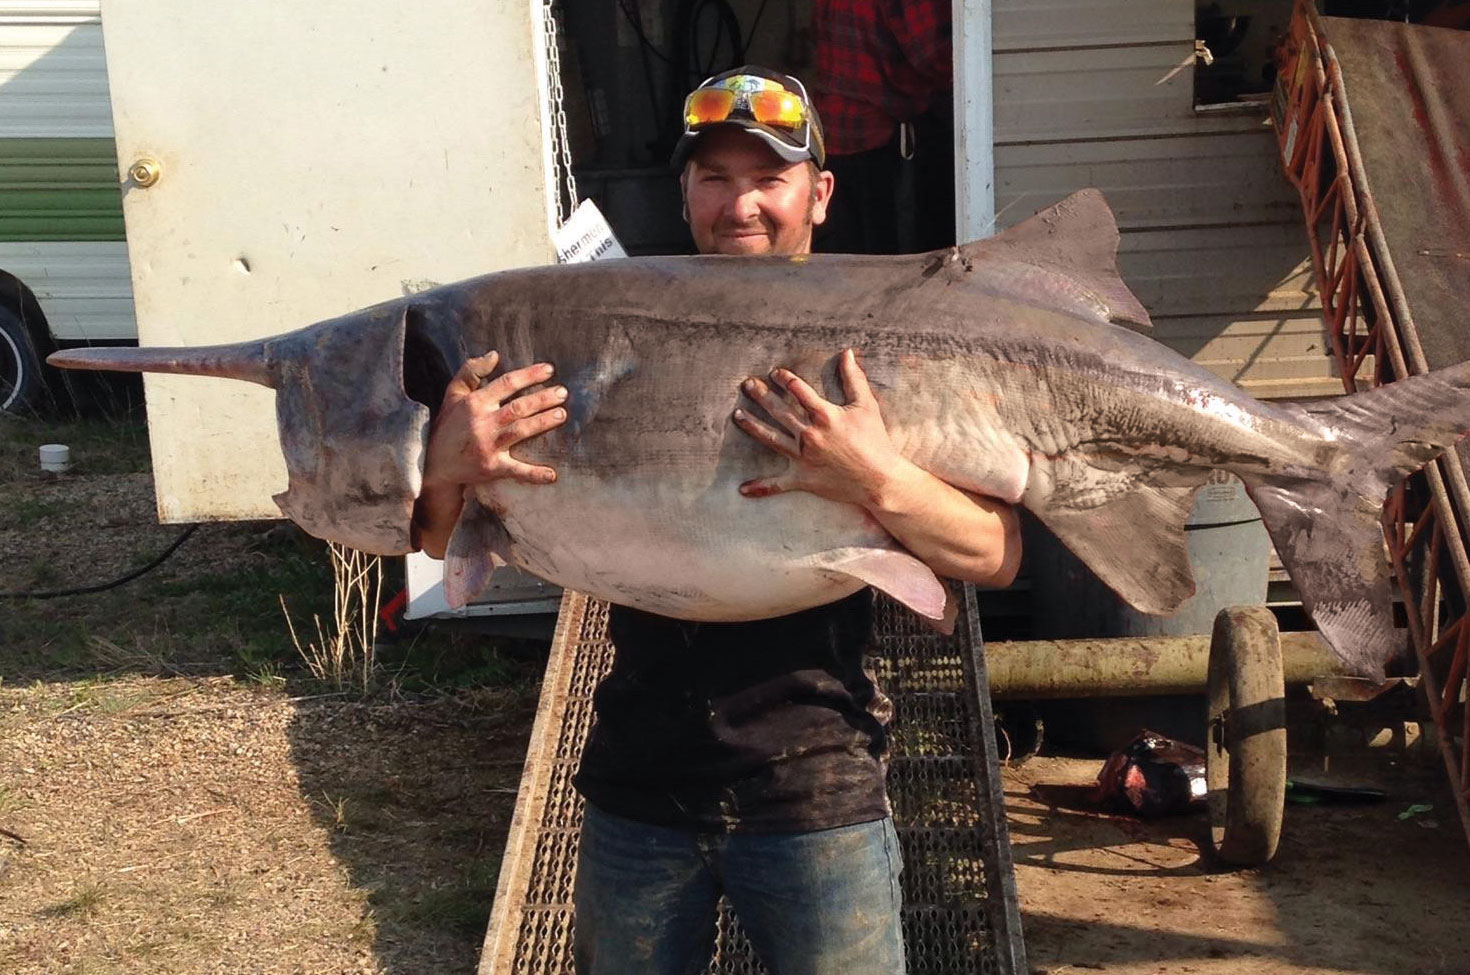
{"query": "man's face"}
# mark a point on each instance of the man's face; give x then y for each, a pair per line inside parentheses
(742, 198)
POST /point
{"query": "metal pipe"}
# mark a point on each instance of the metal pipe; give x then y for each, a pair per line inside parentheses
(1131, 666)
(974, 120)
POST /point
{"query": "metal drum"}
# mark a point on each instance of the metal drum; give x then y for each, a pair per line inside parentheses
(1229, 550)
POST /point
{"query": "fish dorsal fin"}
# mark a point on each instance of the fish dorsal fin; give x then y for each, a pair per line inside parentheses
(900, 575)
(1076, 243)
(477, 547)
(1134, 543)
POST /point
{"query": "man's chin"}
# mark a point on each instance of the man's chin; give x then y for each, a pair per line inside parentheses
(743, 244)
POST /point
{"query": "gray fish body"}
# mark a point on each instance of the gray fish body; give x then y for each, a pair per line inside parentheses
(1033, 405)
(1001, 367)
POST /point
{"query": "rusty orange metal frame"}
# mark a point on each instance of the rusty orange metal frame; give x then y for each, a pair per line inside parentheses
(1367, 316)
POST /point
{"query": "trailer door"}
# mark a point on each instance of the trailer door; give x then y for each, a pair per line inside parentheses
(284, 163)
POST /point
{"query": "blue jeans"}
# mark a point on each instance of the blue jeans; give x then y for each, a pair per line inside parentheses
(818, 903)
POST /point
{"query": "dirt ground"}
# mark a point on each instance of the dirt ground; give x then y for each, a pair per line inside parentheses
(1352, 889)
(193, 826)
(186, 826)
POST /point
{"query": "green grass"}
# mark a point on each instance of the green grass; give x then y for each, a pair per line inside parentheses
(19, 510)
(219, 622)
(461, 907)
(99, 445)
(224, 617)
(83, 902)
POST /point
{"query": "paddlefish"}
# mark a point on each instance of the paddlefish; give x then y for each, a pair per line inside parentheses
(1016, 367)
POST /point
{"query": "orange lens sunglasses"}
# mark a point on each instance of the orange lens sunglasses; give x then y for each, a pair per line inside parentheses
(777, 108)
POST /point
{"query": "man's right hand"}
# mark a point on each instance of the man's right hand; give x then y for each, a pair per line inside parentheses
(470, 441)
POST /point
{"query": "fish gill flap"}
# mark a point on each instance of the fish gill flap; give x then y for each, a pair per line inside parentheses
(477, 547)
(1077, 242)
(1135, 544)
(588, 387)
(900, 575)
(352, 438)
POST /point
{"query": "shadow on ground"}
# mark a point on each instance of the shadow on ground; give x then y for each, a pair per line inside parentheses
(417, 798)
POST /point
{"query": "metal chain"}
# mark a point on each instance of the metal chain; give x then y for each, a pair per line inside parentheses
(561, 145)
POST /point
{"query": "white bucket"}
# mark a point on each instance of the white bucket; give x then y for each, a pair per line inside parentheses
(55, 458)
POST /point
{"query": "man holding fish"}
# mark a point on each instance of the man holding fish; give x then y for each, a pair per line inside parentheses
(739, 758)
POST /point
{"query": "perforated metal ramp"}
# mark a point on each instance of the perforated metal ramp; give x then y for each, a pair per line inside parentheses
(960, 906)
(1373, 120)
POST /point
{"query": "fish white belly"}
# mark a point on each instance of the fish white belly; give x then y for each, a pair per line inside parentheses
(711, 555)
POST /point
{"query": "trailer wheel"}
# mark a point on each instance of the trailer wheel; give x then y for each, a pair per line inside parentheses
(21, 388)
(1245, 750)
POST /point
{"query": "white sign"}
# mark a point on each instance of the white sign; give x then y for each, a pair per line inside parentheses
(586, 236)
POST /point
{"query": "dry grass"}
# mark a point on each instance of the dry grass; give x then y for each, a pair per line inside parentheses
(343, 653)
(185, 826)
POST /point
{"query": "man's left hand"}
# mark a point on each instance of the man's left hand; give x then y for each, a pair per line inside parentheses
(840, 452)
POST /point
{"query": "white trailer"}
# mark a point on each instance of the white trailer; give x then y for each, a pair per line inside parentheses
(63, 264)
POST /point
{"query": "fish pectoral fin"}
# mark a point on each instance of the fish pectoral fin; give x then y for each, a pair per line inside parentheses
(1135, 544)
(477, 547)
(898, 574)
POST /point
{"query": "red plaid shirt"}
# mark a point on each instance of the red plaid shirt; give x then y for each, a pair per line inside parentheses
(878, 63)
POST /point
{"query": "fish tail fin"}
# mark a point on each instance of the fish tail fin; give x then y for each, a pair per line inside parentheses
(1329, 532)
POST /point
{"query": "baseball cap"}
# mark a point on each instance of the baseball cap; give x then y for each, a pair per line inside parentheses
(763, 102)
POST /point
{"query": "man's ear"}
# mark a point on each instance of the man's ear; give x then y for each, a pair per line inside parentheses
(822, 189)
(684, 193)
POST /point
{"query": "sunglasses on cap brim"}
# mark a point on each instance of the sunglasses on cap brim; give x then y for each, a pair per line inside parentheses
(748, 96)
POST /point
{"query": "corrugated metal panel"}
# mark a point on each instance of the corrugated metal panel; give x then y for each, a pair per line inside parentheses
(85, 289)
(59, 189)
(1252, 351)
(1026, 25)
(50, 11)
(1181, 181)
(1101, 93)
(1219, 270)
(53, 76)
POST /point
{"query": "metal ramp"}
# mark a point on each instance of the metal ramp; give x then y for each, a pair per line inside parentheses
(1373, 121)
(960, 907)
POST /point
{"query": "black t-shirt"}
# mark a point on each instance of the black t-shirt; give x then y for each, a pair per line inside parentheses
(767, 726)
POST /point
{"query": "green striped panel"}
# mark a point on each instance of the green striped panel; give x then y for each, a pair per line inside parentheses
(59, 189)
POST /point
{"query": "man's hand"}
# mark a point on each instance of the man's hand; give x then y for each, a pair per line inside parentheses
(478, 423)
(842, 453)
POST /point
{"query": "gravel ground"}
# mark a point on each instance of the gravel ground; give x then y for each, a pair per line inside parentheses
(186, 826)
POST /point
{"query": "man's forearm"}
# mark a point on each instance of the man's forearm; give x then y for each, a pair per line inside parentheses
(435, 515)
(960, 535)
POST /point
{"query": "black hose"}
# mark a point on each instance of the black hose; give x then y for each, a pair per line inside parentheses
(637, 24)
(643, 50)
(745, 47)
(85, 590)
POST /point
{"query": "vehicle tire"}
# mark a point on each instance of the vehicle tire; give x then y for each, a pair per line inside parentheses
(22, 390)
(1245, 747)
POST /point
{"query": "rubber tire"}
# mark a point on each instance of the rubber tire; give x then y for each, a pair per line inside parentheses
(22, 390)
(1245, 738)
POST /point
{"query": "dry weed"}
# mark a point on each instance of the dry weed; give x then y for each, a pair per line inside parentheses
(342, 653)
